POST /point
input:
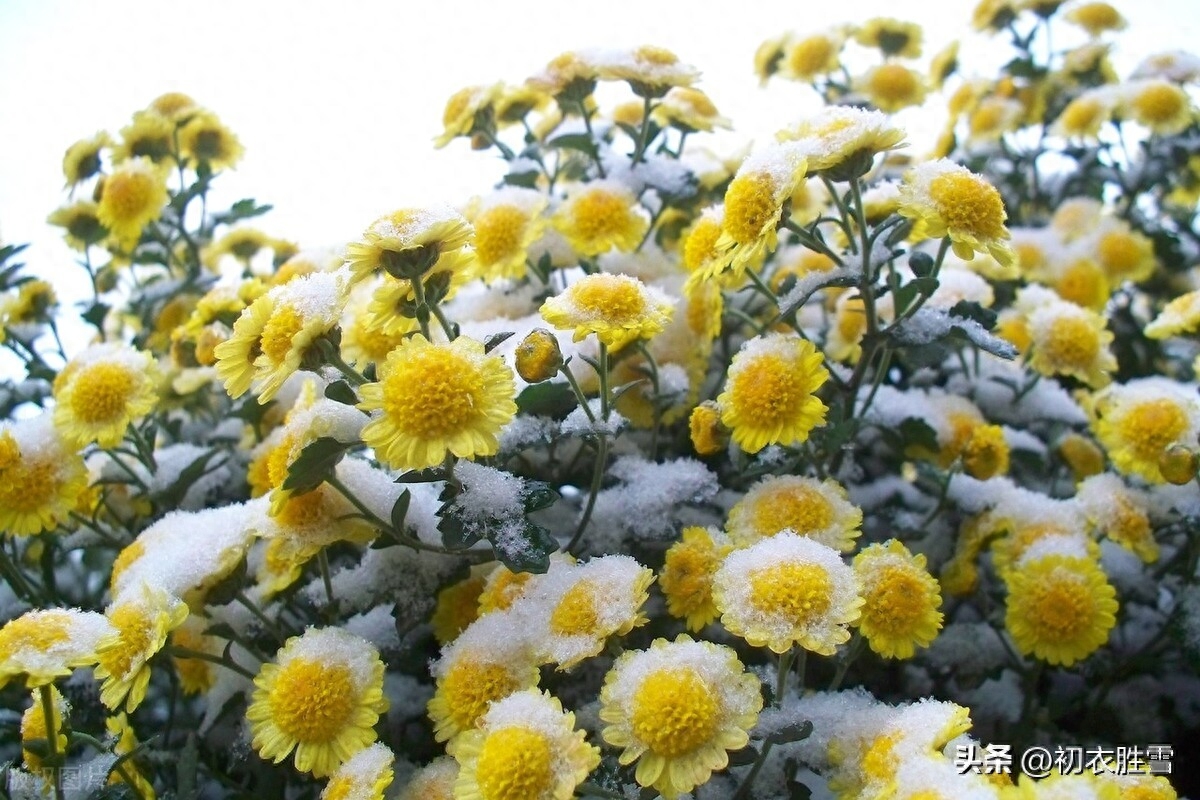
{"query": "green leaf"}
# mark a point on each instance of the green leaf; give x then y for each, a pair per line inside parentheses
(342, 393)
(547, 399)
(968, 309)
(530, 553)
(917, 432)
(172, 495)
(794, 732)
(538, 495)
(242, 209)
(95, 314)
(400, 510)
(225, 590)
(744, 757)
(454, 535)
(315, 463)
(582, 142)
(185, 769)
(422, 475)
(495, 340)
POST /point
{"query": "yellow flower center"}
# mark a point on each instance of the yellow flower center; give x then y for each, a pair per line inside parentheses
(498, 233)
(136, 633)
(1084, 284)
(575, 614)
(810, 56)
(880, 762)
(986, 453)
(1159, 103)
(128, 195)
(655, 56)
(1149, 427)
(750, 206)
(801, 508)
(101, 392)
(896, 600)
(1059, 609)
(470, 685)
(28, 487)
(339, 788)
(305, 511)
(989, 118)
(312, 702)
(457, 607)
(1097, 17)
(801, 593)
(598, 214)
(852, 319)
(278, 333)
(1119, 252)
(674, 712)
(700, 246)
(433, 393)
(893, 84)
(969, 204)
(504, 591)
(610, 297)
(771, 391)
(514, 764)
(687, 577)
(1030, 256)
(1071, 342)
(39, 633)
(1082, 115)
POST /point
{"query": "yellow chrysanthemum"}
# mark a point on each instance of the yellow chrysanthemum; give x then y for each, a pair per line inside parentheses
(1073, 341)
(151, 135)
(1160, 105)
(437, 398)
(1081, 455)
(985, 454)
(1060, 609)
(1096, 18)
(102, 391)
(82, 159)
(769, 392)
(649, 70)
(788, 590)
(275, 333)
(1116, 512)
(754, 205)
(1083, 117)
(125, 742)
(1181, 315)
(953, 201)
(485, 664)
(677, 709)
(994, 15)
(588, 603)
(599, 216)
(366, 339)
(196, 675)
(44, 645)
(457, 607)
(80, 222)
(689, 110)
(408, 243)
(704, 427)
(811, 57)
(204, 139)
(687, 572)
(901, 600)
(1125, 254)
(507, 223)
(132, 196)
(243, 243)
(806, 507)
(892, 86)
(34, 727)
(458, 118)
(1137, 422)
(892, 37)
(42, 478)
(525, 748)
(321, 697)
(568, 73)
(175, 106)
(992, 118)
(434, 781)
(366, 775)
(943, 64)
(844, 139)
(1082, 281)
(619, 309)
(141, 619)
(768, 57)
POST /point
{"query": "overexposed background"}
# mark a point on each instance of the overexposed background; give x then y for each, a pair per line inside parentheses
(337, 103)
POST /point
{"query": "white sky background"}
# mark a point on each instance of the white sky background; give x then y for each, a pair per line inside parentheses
(337, 103)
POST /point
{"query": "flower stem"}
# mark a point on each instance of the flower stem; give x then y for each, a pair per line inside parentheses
(597, 478)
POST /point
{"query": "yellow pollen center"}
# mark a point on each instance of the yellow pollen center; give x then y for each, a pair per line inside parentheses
(469, 686)
(771, 391)
(433, 393)
(278, 333)
(1059, 609)
(28, 487)
(801, 593)
(968, 204)
(37, 633)
(101, 392)
(136, 631)
(312, 702)
(893, 83)
(749, 206)
(803, 509)
(701, 244)
(1084, 284)
(599, 214)
(514, 764)
(1082, 115)
(1119, 252)
(1151, 426)
(575, 614)
(127, 195)
(896, 601)
(339, 788)
(503, 592)
(498, 233)
(810, 56)
(1072, 342)
(1158, 103)
(611, 297)
(675, 712)
(308, 510)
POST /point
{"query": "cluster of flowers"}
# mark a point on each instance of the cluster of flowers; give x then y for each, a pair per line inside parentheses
(648, 471)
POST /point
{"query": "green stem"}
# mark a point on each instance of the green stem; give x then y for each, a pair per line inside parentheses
(593, 491)
(323, 565)
(579, 395)
(856, 647)
(644, 133)
(784, 668)
(447, 328)
(743, 791)
(605, 399)
(16, 579)
(177, 651)
(422, 308)
(270, 626)
(353, 376)
(51, 740)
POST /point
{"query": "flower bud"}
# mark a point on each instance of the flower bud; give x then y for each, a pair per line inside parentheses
(1178, 464)
(709, 436)
(1082, 456)
(538, 356)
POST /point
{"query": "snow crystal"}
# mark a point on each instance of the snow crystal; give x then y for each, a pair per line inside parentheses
(810, 282)
(931, 323)
(649, 494)
(527, 431)
(377, 626)
(578, 424)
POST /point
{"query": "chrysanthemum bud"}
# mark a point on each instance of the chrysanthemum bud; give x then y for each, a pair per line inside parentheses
(1082, 456)
(708, 435)
(1178, 464)
(538, 356)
